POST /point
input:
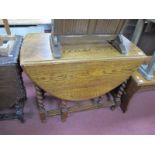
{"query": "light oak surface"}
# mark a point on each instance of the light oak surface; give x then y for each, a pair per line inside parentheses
(84, 71)
(141, 81)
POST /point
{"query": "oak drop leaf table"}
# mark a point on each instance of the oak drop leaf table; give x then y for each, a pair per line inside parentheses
(85, 71)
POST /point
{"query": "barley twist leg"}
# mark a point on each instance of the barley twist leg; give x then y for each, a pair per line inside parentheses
(40, 97)
(63, 110)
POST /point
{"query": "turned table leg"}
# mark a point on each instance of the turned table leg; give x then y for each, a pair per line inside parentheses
(131, 89)
(63, 110)
(40, 97)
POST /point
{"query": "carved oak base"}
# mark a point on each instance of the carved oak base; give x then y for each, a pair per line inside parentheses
(12, 90)
(119, 96)
(18, 114)
(63, 108)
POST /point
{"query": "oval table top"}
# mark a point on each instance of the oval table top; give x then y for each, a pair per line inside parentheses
(85, 70)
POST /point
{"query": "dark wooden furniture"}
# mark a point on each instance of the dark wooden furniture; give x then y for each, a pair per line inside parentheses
(12, 91)
(142, 79)
(136, 83)
(89, 65)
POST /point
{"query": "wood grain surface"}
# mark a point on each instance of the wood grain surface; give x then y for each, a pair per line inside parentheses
(141, 81)
(84, 71)
(87, 26)
(8, 89)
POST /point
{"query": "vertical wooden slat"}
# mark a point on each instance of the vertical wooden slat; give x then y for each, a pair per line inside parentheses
(138, 31)
(7, 27)
(91, 26)
(88, 26)
(120, 25)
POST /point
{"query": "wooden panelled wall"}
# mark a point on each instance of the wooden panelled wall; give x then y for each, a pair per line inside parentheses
(87, 26)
